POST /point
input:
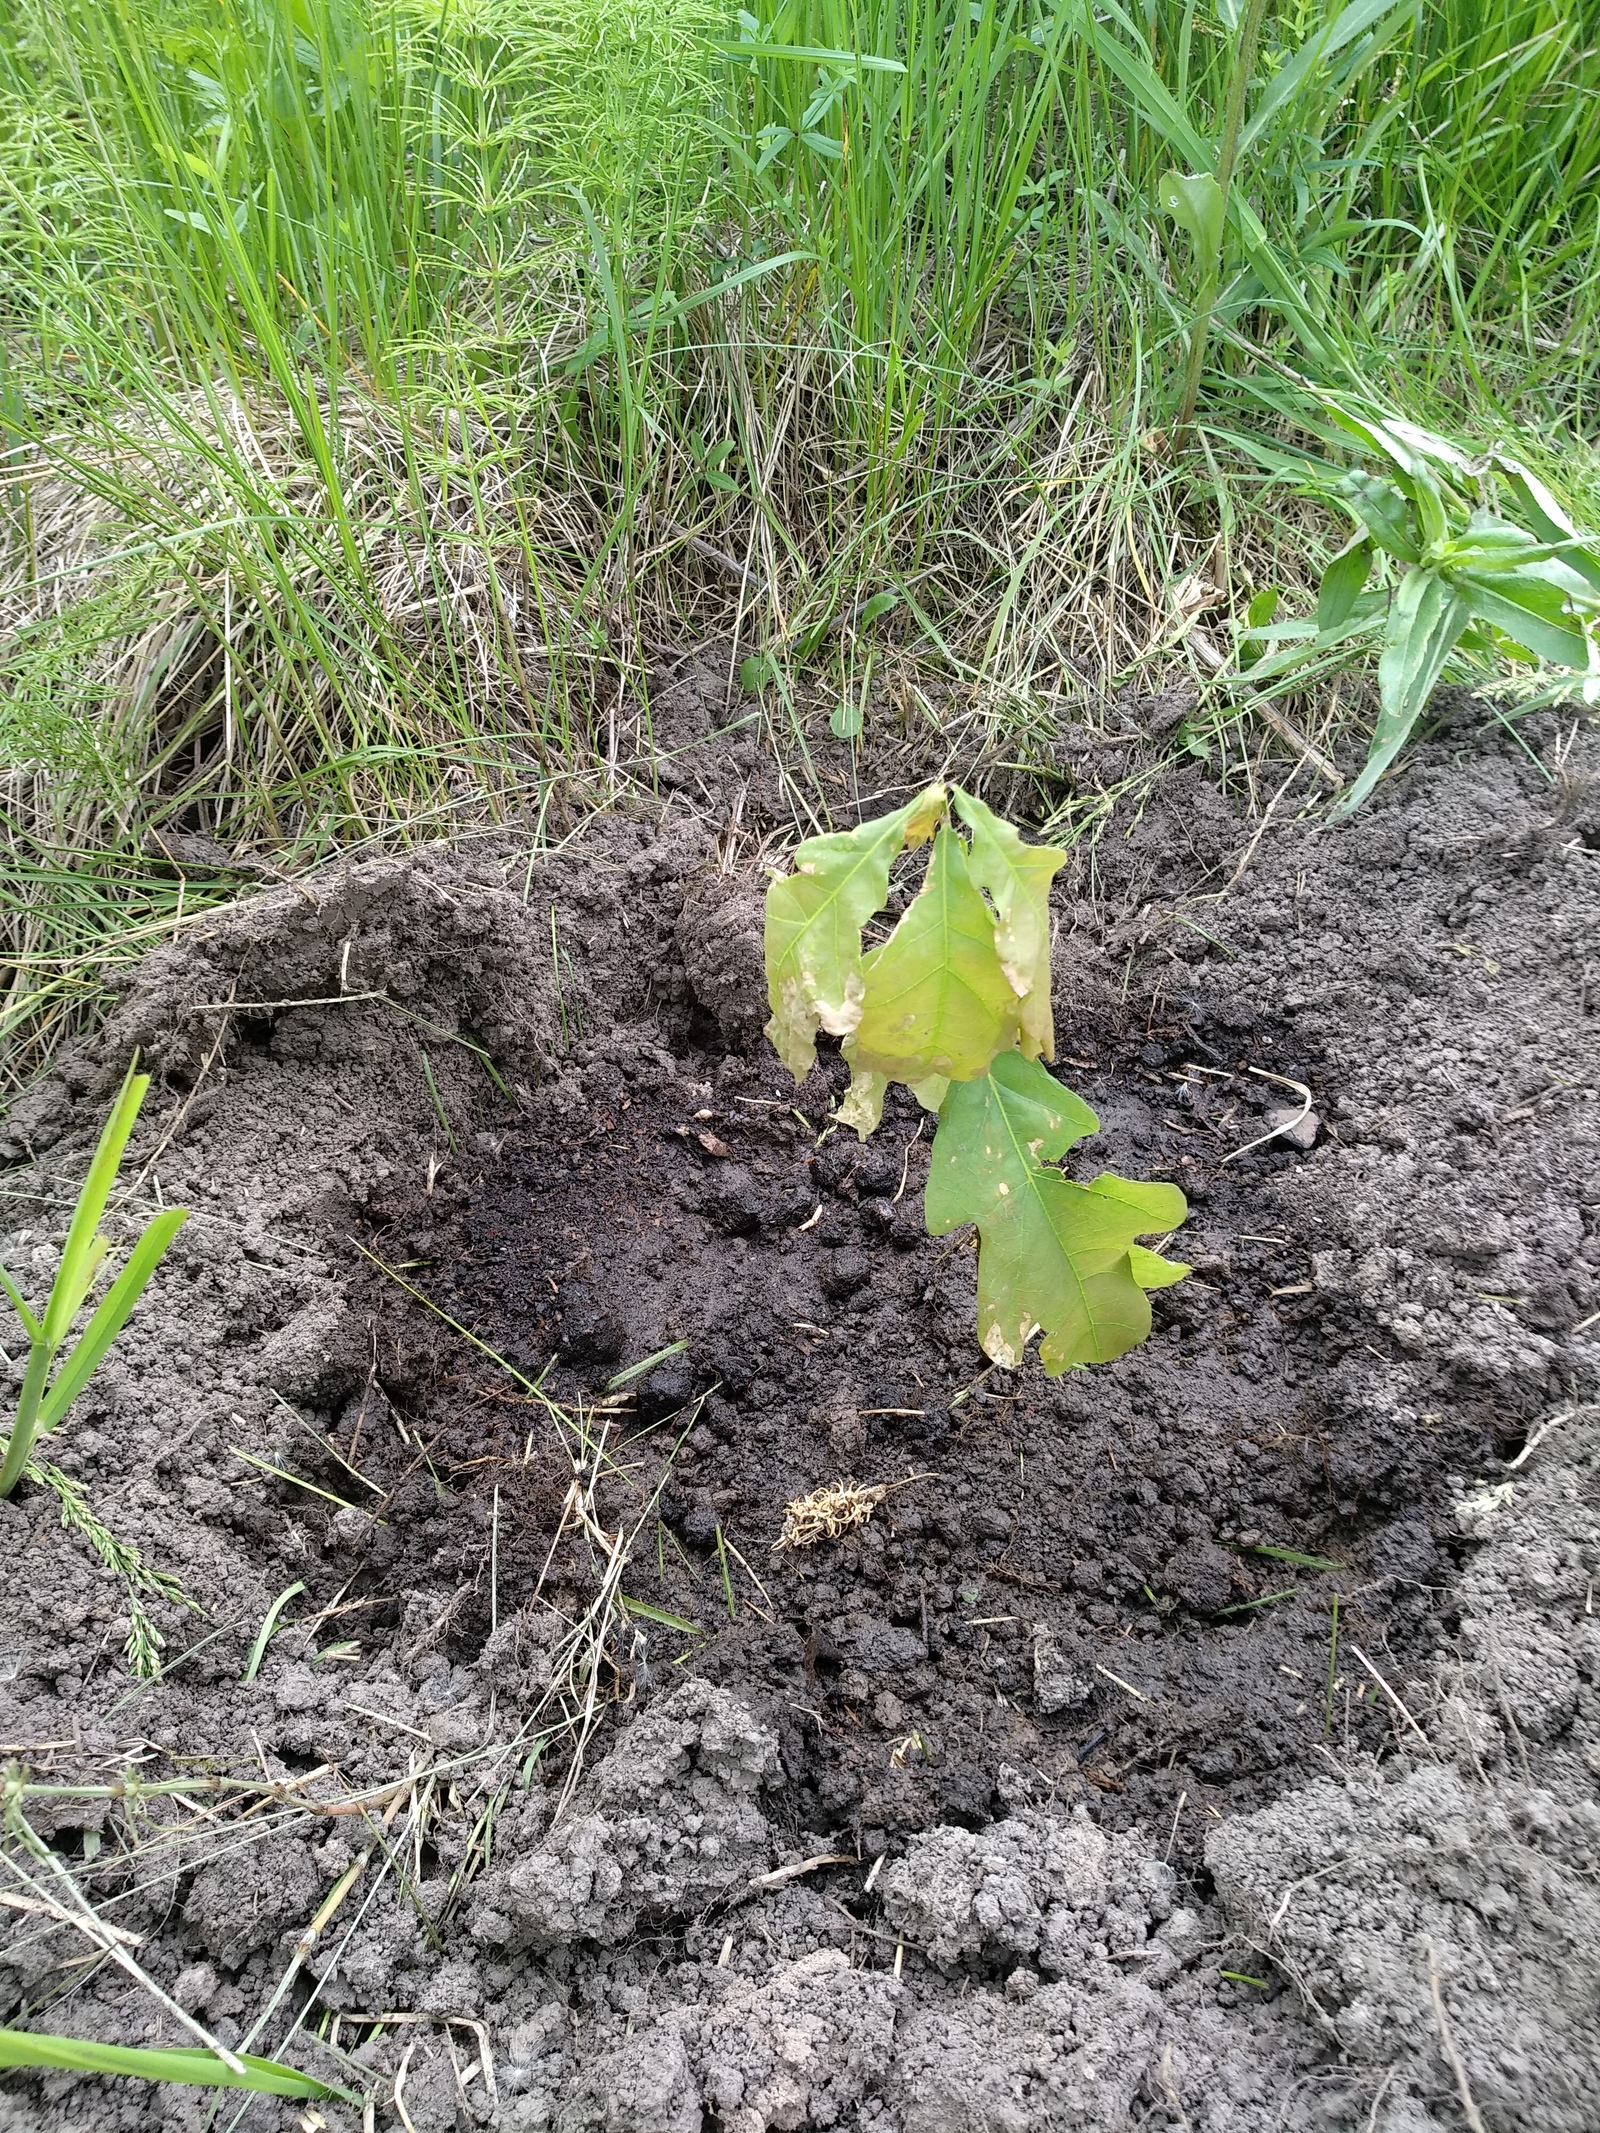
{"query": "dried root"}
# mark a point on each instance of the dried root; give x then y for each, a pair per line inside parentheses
(827, 1512)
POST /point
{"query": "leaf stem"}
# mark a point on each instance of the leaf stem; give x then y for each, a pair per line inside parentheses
(41, 1354)
(1233, 121)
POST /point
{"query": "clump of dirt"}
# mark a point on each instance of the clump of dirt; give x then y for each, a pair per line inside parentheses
(1024, 1801)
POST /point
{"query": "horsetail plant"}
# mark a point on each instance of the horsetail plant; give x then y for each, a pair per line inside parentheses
(47, 1393)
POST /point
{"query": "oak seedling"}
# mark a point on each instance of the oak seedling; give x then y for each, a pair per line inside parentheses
(955, 1005)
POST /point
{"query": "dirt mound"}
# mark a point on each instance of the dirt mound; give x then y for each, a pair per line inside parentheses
(965, 1817)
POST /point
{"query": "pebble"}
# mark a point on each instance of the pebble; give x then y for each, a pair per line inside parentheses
(1286, 1122)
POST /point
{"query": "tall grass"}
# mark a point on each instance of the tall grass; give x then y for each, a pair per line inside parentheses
(390, 388)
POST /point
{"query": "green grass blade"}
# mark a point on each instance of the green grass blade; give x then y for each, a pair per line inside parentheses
(79, 1256)
(194, 2068)
(1292, 1555)
(109, 1320)
(30, 1324)
(1386, 16)
(269, 1622)
(660, 1615)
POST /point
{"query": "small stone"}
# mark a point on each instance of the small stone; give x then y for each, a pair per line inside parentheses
(1292, 1123)
(1200, 1575)
(844, 1274)
(1057, 1683)
(456, 1729)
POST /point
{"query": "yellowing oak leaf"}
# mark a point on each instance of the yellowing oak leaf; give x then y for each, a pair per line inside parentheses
(814, 919)
(1053, 1255)
(861, 1105)
(937, 1001)
(1017, 878)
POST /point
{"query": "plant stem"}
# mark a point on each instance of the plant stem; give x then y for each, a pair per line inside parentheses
(41, 1353)
(1233, 121)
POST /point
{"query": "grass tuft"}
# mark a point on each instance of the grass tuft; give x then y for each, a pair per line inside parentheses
(390, 393)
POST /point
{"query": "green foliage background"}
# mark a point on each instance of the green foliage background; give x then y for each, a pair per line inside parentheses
(384, 385)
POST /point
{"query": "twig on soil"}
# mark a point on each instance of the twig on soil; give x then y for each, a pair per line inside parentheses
(1544, 1429)
(1474, 2116)
(43, 1907)
(480, 2031)
(1121, 1684)
(1377, 2101)
(1393, 1698)
(1177, 1812)
(86, 1920)
(781, 1876)
(307, 1942)
(1167, 2083)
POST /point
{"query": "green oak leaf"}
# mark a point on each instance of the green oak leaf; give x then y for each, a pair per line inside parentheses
(814, 919)
(1053, 1255)
(1016, 877)
(937, 1000)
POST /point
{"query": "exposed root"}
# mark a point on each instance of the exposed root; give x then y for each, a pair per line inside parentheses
(836, 1508)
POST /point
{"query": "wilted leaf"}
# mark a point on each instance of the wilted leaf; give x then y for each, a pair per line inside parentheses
(861, 1105)
(1053, 1254)
(813, 926)
(1017, 877)
(936, 1000)
(1194, 592)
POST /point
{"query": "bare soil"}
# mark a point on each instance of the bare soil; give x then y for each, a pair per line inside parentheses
(1067, 1721)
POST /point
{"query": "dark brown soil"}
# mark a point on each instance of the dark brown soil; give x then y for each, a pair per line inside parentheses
(1061, 1617)
(1070, 1598)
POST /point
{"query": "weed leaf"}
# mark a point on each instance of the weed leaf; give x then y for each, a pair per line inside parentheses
(1427, 618)
(1381, 508)
(1548, 519)
(112, 1315)
(84, 1248)
(1197, 205)
(1292, 1555)
(937, 1000)
(814, 919)
(1053, 1254)
(1342, 583)
(1016, 877)
(1151, 1271)
(1533, 609)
